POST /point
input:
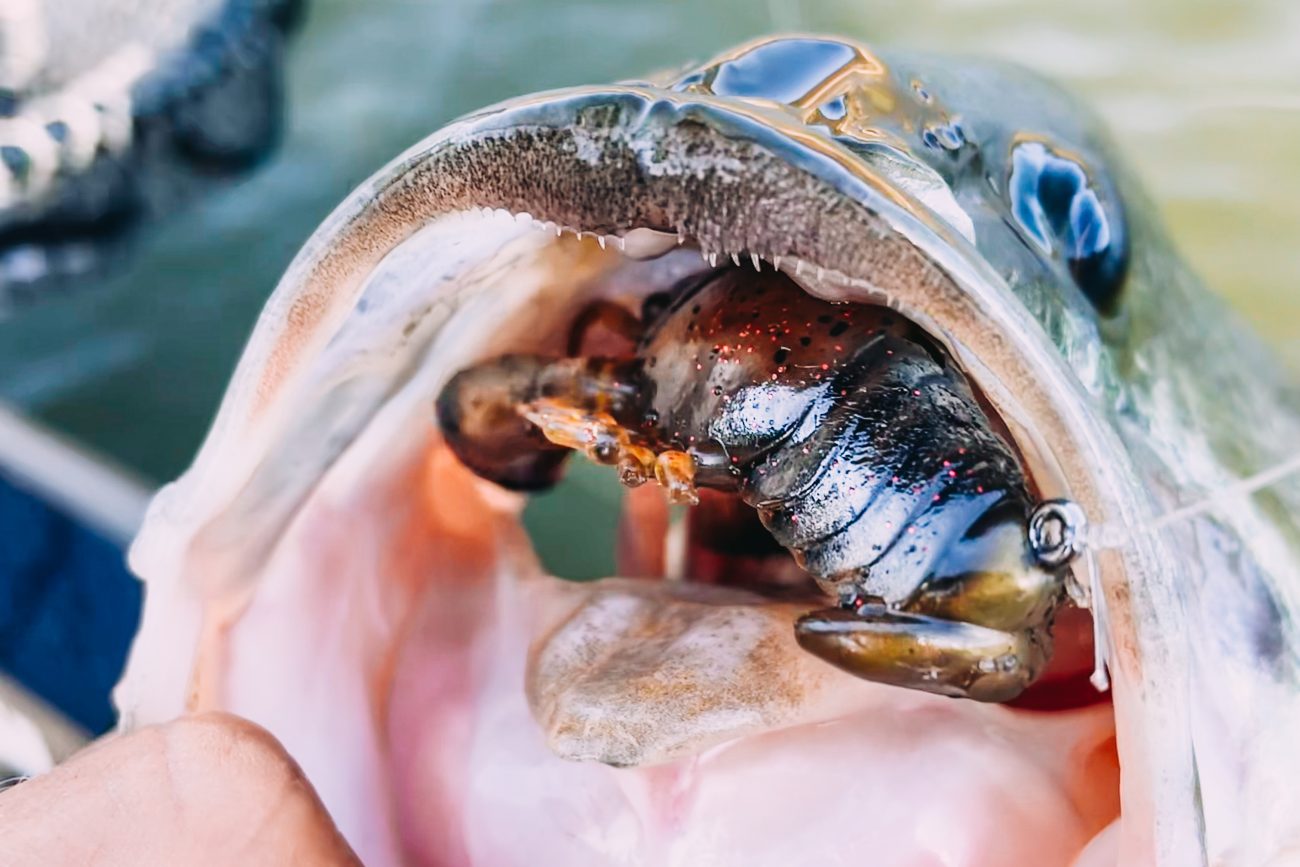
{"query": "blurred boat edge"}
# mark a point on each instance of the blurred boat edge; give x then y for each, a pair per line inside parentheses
(68, 604)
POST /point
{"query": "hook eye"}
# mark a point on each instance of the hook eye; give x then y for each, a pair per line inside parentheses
(1056, 529)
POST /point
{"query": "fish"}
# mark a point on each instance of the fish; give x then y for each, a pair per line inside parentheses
(328, 569)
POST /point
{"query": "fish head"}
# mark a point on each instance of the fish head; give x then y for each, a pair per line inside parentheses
(328, 569)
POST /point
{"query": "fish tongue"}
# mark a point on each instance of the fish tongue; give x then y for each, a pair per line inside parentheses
(635, 672)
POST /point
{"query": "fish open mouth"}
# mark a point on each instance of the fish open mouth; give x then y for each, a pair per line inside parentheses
(688, 660)
(345, 581)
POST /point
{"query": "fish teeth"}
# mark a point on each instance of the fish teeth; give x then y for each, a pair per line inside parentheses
(754, 258)
(647, 243)
(735, 259)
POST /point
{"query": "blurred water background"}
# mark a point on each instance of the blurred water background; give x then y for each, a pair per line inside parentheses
(1204, 95)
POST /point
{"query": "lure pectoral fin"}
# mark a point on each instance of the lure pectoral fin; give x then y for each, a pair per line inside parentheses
(900, 648)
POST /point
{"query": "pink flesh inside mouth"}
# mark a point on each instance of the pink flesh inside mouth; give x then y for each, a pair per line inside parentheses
(736, 746)
(456, 705)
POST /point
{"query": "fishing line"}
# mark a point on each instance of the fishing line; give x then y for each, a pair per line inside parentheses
(1110, 537)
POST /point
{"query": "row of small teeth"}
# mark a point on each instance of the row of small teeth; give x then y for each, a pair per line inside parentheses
(648, 243)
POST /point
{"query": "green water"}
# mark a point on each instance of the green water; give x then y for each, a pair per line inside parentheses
(1205, 96)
